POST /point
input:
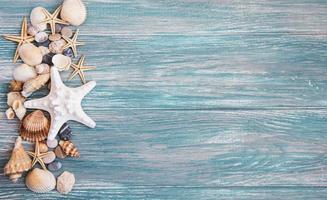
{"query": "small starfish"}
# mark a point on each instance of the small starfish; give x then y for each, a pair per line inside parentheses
(72, 42)
(37, 156)
(23, 38)
(53, 19)
(79, 69)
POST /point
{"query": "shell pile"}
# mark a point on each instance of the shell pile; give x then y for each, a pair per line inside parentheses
(40, 51)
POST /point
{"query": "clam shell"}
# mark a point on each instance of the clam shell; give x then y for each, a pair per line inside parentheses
(61, 62)
(30, 54)
(10, 114)
(73, 11)
(40, 181)
(19, 109)
(35, 127)
(19, 161)
(36, 17)
(23, 73)
(42, 68)
(12, 96)
(41, 37)
(15, 86)
(34, 84)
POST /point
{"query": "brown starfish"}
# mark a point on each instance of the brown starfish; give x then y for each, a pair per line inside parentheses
(79, 69)
(53, 19)
(37, 156)
(72, 42)
(23, 38)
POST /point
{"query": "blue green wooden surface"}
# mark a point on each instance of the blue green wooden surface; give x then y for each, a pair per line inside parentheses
(196, 99)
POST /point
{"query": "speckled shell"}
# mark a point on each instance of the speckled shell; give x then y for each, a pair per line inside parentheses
(34, 84)
(73, 11)
(40, 181)
(61, 62)
(35, 127)
(23, 73)
(15, 86)
(19, 162)
(36, 17)
(69, 148)
(30, 54)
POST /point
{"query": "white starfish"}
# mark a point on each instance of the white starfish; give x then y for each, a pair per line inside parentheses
(63, 103)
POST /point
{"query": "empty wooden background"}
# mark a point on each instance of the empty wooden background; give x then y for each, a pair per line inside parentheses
(196, 99)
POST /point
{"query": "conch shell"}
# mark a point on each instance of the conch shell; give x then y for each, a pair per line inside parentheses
(34, 84)
(35, 127)
(73, 11)
(19, 162)
(69, 148)
(40, 181)
(19, 109)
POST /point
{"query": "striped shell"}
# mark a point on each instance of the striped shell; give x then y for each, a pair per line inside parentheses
(69, 148)
(35, 127)
(40, 181)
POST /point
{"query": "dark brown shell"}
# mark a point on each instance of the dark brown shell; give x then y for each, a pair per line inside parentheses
(69, 148)
(15, 86)
(35, 127)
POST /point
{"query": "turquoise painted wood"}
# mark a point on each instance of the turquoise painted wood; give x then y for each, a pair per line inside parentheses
(196, 99)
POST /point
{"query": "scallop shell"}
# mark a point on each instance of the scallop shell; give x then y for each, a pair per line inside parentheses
(30, 54)
(15, 86)
(69, 148)
(35, 127)
(10, 114)
(19, 109)
(40, 181)
(35, 84)
(73, 11)
(37, 17)
(23, 73)
(61, 62)
(19, 162)
(12, 96)
(42, 68)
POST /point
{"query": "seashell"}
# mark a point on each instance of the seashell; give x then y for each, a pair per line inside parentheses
(35, 127)
(19, 162)
(47, 59)
(12, 96)
(23, 73)
(52, 143)
(41, 37)
(34, 84)
(15, 86)
(43, 44)
(40, 181)
(49, 158)
(30, 54)
(58, 28)
(65, 182)
(32, 30)
(44, 50)
(65, 132)
(42, 68)
(43, 147)
(10, 114)
(73, 11)
(57, 46)
(69, 148)
(54, 37)
(37, 16)
(61, 62)
(66, 31)
(59, 152)
(55, 165)
(19, 109)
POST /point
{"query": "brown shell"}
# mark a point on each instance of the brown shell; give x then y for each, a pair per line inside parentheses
(19, 162)
(69, 148)
(35, 127)
(15, 86)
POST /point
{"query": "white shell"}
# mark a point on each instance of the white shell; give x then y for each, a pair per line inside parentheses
(73, 11)
(44, 50)
(34, 84)
(61, 62)
(32, 30)
(10, 114)
(19, 109)
(24, 73)
(57, 46)
(65, 182)
(52, 143)
(40, 181)
(30, 54)
(42, 68)
(36, 17)
(13, 96)
(41, 37)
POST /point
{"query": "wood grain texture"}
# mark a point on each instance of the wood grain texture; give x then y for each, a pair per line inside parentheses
(195, 99)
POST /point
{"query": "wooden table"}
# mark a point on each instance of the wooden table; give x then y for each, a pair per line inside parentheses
(195, 99)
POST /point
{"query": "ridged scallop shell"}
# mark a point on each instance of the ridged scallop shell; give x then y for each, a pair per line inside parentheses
(30, 54)
(61, 62)
(69, 148)
(23, 73)
(40, 181)
(35, 127)
(34, 84)
(15, 86)
(36, 17)
(73, 11)
(19, 162)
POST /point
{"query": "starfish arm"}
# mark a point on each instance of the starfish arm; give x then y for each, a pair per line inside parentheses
(59, 21)
(40, 161)
(86, 88)
(83, 118)
(56, 124)
(46, 13)
(81, 75)
(72, 75)
(41, 103)
(55, 78)
(13, 38)
(74, 49)
(56, 12)
(16, 56)
(24, 28)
